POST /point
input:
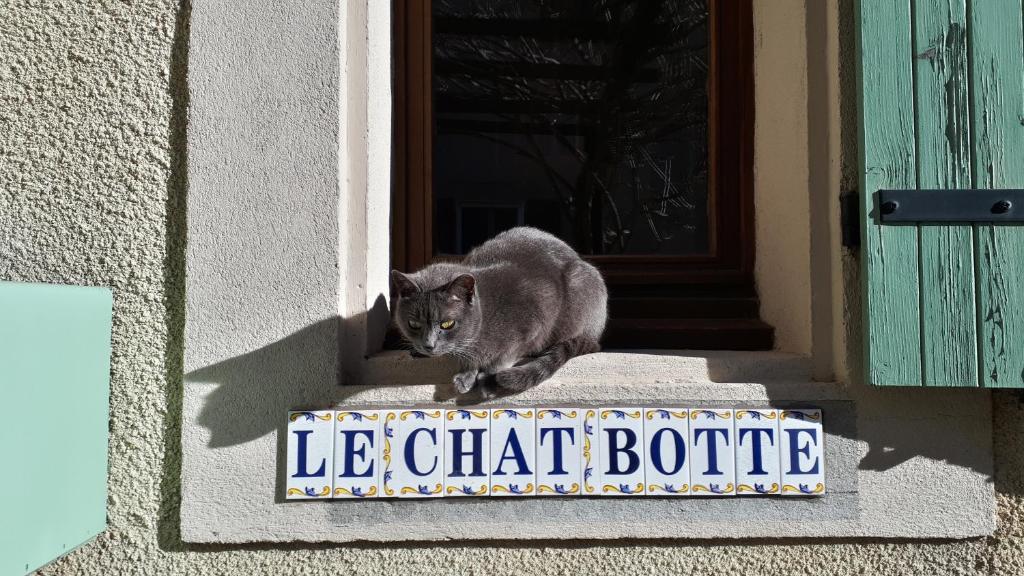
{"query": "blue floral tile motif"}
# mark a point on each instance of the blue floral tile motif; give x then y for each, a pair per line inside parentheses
(421, 489)
(467, 490)
(389, 434)
(556, 414)
(589, 446)
(512, 489)
(819, 488)
(797, 415)
(711, 414)
(713, 488)
(513, 414)
(309, 416)
(667, 488)
(623, 489)
(665, 414)
(757, 488)
(357, 416)
(619, 414)
(466, 414)
(310, 492)
(356, 491)
(755, 414)
(560, 489)
(420, 414)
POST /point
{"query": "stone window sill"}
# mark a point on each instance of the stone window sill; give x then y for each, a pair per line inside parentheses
(878, 442)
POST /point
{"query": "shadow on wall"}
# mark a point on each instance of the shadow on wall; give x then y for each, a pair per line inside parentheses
(255, 389)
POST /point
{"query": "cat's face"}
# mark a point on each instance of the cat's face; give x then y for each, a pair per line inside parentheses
(439, 321)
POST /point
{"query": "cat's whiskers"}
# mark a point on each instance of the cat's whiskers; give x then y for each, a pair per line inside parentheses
(465, 354)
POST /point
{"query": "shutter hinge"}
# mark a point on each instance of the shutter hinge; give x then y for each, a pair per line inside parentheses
(849, 218)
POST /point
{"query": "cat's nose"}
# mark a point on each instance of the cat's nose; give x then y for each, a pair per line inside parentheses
(428, 347)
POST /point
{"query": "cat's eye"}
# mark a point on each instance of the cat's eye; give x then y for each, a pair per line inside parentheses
(415, 325)
(447, 324)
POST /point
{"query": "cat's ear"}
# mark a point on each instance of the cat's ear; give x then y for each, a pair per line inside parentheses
(463, 288)
(403, 285)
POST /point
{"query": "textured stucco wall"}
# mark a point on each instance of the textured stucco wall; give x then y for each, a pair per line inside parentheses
(92, 192)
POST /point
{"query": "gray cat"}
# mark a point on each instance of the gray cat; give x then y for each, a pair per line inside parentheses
(516, 309)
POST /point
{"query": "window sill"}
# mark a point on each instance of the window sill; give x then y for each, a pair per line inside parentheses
(620, 375)
(878, 442)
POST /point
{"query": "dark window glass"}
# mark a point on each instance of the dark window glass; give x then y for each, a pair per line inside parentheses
(588, 119)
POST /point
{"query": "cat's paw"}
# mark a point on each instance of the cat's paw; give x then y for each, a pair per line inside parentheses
(515, 379)
(464, 381)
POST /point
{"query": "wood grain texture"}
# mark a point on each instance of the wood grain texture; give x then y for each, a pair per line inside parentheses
(941, 86)
(889, 254)
(997, 84)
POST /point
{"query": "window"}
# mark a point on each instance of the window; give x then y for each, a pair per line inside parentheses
(625, 128)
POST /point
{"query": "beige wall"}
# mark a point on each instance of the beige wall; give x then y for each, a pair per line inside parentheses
(782, 210)
(92, 192)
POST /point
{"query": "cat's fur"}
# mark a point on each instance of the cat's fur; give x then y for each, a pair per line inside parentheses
(523, 303)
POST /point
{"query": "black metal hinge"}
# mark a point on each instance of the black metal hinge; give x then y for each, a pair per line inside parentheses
(922, 206)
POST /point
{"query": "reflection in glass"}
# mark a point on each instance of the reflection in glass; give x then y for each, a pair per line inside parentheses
(585, 118)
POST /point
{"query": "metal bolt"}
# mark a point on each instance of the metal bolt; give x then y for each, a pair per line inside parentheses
(890, 206)
(1002, 207)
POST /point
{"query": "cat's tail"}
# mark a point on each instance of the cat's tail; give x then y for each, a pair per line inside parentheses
(528, 375)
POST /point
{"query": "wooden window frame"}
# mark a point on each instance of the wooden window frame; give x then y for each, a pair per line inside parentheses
(727, 269)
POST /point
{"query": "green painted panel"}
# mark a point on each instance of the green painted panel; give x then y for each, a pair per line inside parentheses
(54, 390)
(889, 254)
(941, 84)
(997, 79)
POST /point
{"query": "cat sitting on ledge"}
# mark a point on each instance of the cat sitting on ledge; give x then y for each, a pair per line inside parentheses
(512, 312)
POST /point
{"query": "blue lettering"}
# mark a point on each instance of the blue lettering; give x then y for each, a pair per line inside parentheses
(517, 455)
(557, 468)
(301, 457)
(755, 447)
(712, 448)
(614, 450)
(680, 451)
(348, 461)
(794, 452)
(410, 451)
(477, 452)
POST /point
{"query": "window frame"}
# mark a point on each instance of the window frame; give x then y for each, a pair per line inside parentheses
(728, 268)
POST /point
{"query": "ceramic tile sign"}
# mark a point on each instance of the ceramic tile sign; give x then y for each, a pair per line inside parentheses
(467, 452)
(413, 453)
(357, 438)
(559, 451)
(621, 457)
(310, 454)
(513, 452)
(757, 452)
(712, 455)
(554, 451)
(668, 466)
(801, 452)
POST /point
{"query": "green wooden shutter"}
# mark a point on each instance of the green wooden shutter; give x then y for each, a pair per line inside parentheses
(54, 393)
(941, 86)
